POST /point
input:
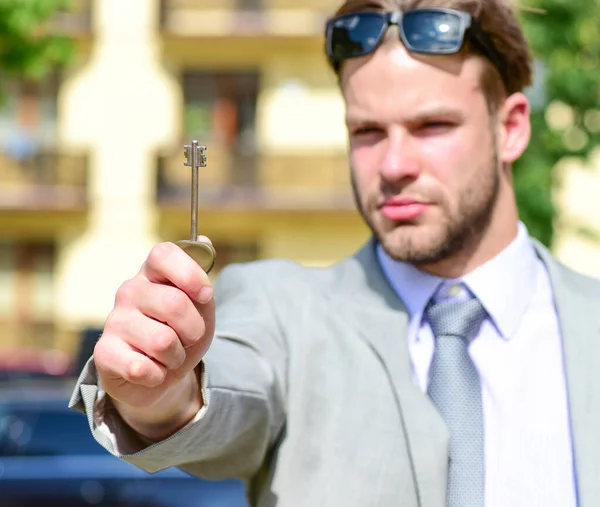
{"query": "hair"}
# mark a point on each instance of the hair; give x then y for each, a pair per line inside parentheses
(496, 17)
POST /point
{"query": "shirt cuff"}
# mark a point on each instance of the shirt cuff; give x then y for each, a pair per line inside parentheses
(106, 424)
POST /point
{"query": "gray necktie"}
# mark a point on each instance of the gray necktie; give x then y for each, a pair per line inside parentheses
(455, 389)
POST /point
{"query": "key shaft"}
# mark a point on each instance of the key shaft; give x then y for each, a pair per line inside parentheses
(194, 158)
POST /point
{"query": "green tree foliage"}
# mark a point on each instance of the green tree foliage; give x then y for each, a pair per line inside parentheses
(566, 41)
(29, 46)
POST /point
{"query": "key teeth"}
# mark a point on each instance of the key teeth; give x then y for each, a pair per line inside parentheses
(202, 155)
(187, 153)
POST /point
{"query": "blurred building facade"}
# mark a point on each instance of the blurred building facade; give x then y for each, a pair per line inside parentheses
(92, 174)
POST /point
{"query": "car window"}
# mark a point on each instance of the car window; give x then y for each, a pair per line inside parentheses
(30, 431)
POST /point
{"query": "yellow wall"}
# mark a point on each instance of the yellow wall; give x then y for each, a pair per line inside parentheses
(301, 106)
(120, 106)
(578, 232)
(125, 104)
(314, 243)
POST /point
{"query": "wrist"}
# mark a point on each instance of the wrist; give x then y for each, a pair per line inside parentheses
(172, 412)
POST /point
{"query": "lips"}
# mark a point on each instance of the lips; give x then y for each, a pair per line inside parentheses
(403, 209)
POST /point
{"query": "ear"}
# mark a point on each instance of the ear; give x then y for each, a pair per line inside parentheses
(515, 127)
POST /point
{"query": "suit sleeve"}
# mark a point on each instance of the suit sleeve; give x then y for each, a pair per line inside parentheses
(243, 382)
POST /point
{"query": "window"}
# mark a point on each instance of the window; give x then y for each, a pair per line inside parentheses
(231, 253)
(28, 120)
(220, 111)
(26, 293)
(250, 5)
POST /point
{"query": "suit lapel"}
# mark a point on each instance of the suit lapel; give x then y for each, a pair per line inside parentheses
(369, 303)
(577, 301)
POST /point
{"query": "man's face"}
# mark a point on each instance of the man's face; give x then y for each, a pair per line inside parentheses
(425, 169)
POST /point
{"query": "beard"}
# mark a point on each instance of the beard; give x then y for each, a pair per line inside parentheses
(423, 243)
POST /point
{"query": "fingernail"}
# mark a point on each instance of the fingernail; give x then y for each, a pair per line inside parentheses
(206, 294)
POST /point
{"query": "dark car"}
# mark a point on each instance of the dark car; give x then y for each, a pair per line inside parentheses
(48, 457)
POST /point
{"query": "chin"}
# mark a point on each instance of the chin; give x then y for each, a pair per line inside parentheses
(414, 243)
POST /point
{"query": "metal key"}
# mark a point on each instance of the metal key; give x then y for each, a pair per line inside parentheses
(202, 252)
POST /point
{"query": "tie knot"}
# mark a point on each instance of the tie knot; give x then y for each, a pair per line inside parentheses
(456, 318)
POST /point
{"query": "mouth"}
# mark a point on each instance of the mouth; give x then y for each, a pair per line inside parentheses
(403, 209)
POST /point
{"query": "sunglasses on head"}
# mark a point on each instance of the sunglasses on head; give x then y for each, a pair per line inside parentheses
(434, 31)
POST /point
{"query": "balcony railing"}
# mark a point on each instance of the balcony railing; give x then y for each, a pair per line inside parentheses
(23, 336)
(275, 182)
(49, 180)
(205, 18)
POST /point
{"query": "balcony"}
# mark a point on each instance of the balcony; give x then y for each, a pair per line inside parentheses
(244, 18)
(22, 337)
(49, 180)
(268, 183)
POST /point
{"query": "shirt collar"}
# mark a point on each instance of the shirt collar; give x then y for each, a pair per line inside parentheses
(414, 287)
(508, 277)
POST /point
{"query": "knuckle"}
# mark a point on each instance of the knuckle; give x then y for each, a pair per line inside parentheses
(100, 352)
(196, 333)
(159, 253)
(192, 279)
(135, 371)
(174, 303)
(163, 341)
(117, 325)
(114, 321)
(140, 372)
(199, 330)
(126, 293)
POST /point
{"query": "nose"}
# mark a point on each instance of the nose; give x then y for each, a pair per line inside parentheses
(400, 159)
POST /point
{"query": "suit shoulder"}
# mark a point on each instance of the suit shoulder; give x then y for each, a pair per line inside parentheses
(275, 274)
(587, 285)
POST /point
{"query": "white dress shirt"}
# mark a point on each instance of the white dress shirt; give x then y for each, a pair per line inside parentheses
(518, 354)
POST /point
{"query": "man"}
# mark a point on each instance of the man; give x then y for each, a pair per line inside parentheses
(451, 361)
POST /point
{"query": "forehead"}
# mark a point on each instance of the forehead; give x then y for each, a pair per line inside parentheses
(393, 79)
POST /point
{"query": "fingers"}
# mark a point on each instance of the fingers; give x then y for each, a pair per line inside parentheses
(166, 305)
(150, 337)
(167, 263)
(160, 327)
(118, 361)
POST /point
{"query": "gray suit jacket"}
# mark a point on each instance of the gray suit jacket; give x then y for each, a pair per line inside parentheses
(311, 397)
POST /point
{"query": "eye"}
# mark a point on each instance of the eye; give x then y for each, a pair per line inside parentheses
(435, 127)
(438, 124)
(362, 131)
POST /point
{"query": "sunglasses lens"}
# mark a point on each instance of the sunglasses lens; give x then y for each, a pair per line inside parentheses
(432, 32)
(354, 35)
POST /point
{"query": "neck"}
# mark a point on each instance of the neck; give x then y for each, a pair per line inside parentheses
(500, 233)
(471, 257)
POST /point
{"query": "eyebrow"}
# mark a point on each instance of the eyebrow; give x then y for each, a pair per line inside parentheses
(419, 117)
